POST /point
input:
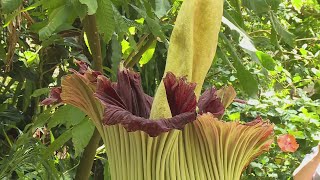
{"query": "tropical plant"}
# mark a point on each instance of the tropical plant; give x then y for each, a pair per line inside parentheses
(156, 150)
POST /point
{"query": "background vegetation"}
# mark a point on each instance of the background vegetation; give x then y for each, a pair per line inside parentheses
(268, 50)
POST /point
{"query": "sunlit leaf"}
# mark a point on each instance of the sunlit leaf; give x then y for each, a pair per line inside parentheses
(297, 4)
(148, 54)
(266, 60)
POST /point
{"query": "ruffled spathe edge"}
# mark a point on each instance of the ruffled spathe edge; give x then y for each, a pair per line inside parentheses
(126, 104)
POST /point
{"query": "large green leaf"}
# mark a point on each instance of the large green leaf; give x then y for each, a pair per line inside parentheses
(247, 81)
(68, 115)
(287, 36)
(161, 7)
(82, 10)
(8, 6)
(91, 4)
(81, 134)
(57, 18)
(245, 42)
(266, 60)
(105, 19)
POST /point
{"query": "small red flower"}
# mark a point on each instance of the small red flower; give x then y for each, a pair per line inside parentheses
(287, 143)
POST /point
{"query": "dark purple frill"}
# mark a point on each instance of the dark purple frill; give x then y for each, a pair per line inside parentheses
(126, 103)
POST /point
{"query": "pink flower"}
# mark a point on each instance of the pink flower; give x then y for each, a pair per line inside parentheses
(287, 143)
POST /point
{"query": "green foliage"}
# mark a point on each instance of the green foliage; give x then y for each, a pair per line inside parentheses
(8, 6)
(105, 19)
(266, 60)
(281, 31)
(57, 18)
(161, 7)
(92, 6)
(81, 134)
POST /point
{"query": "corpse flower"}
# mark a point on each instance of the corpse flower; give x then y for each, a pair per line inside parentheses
(204, 141)
(177, 134)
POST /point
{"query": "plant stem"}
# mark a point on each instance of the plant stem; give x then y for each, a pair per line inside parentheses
(86, 162)
(134, 52)
(142, 50)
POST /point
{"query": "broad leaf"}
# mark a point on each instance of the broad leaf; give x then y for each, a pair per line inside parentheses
(162, 6)
(68, 115)
(287, 36)
(266, 60)
(53, 4)
(245, 42)
(8, 6)
(57, 18)
(91, 4)
(81, 134)
(247, 81)
(43, 118)
(105, 19)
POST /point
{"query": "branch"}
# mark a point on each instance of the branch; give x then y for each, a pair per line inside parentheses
(134, 52)
(135, 59)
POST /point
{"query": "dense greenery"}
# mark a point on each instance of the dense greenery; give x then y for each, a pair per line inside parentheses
(268, 50)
